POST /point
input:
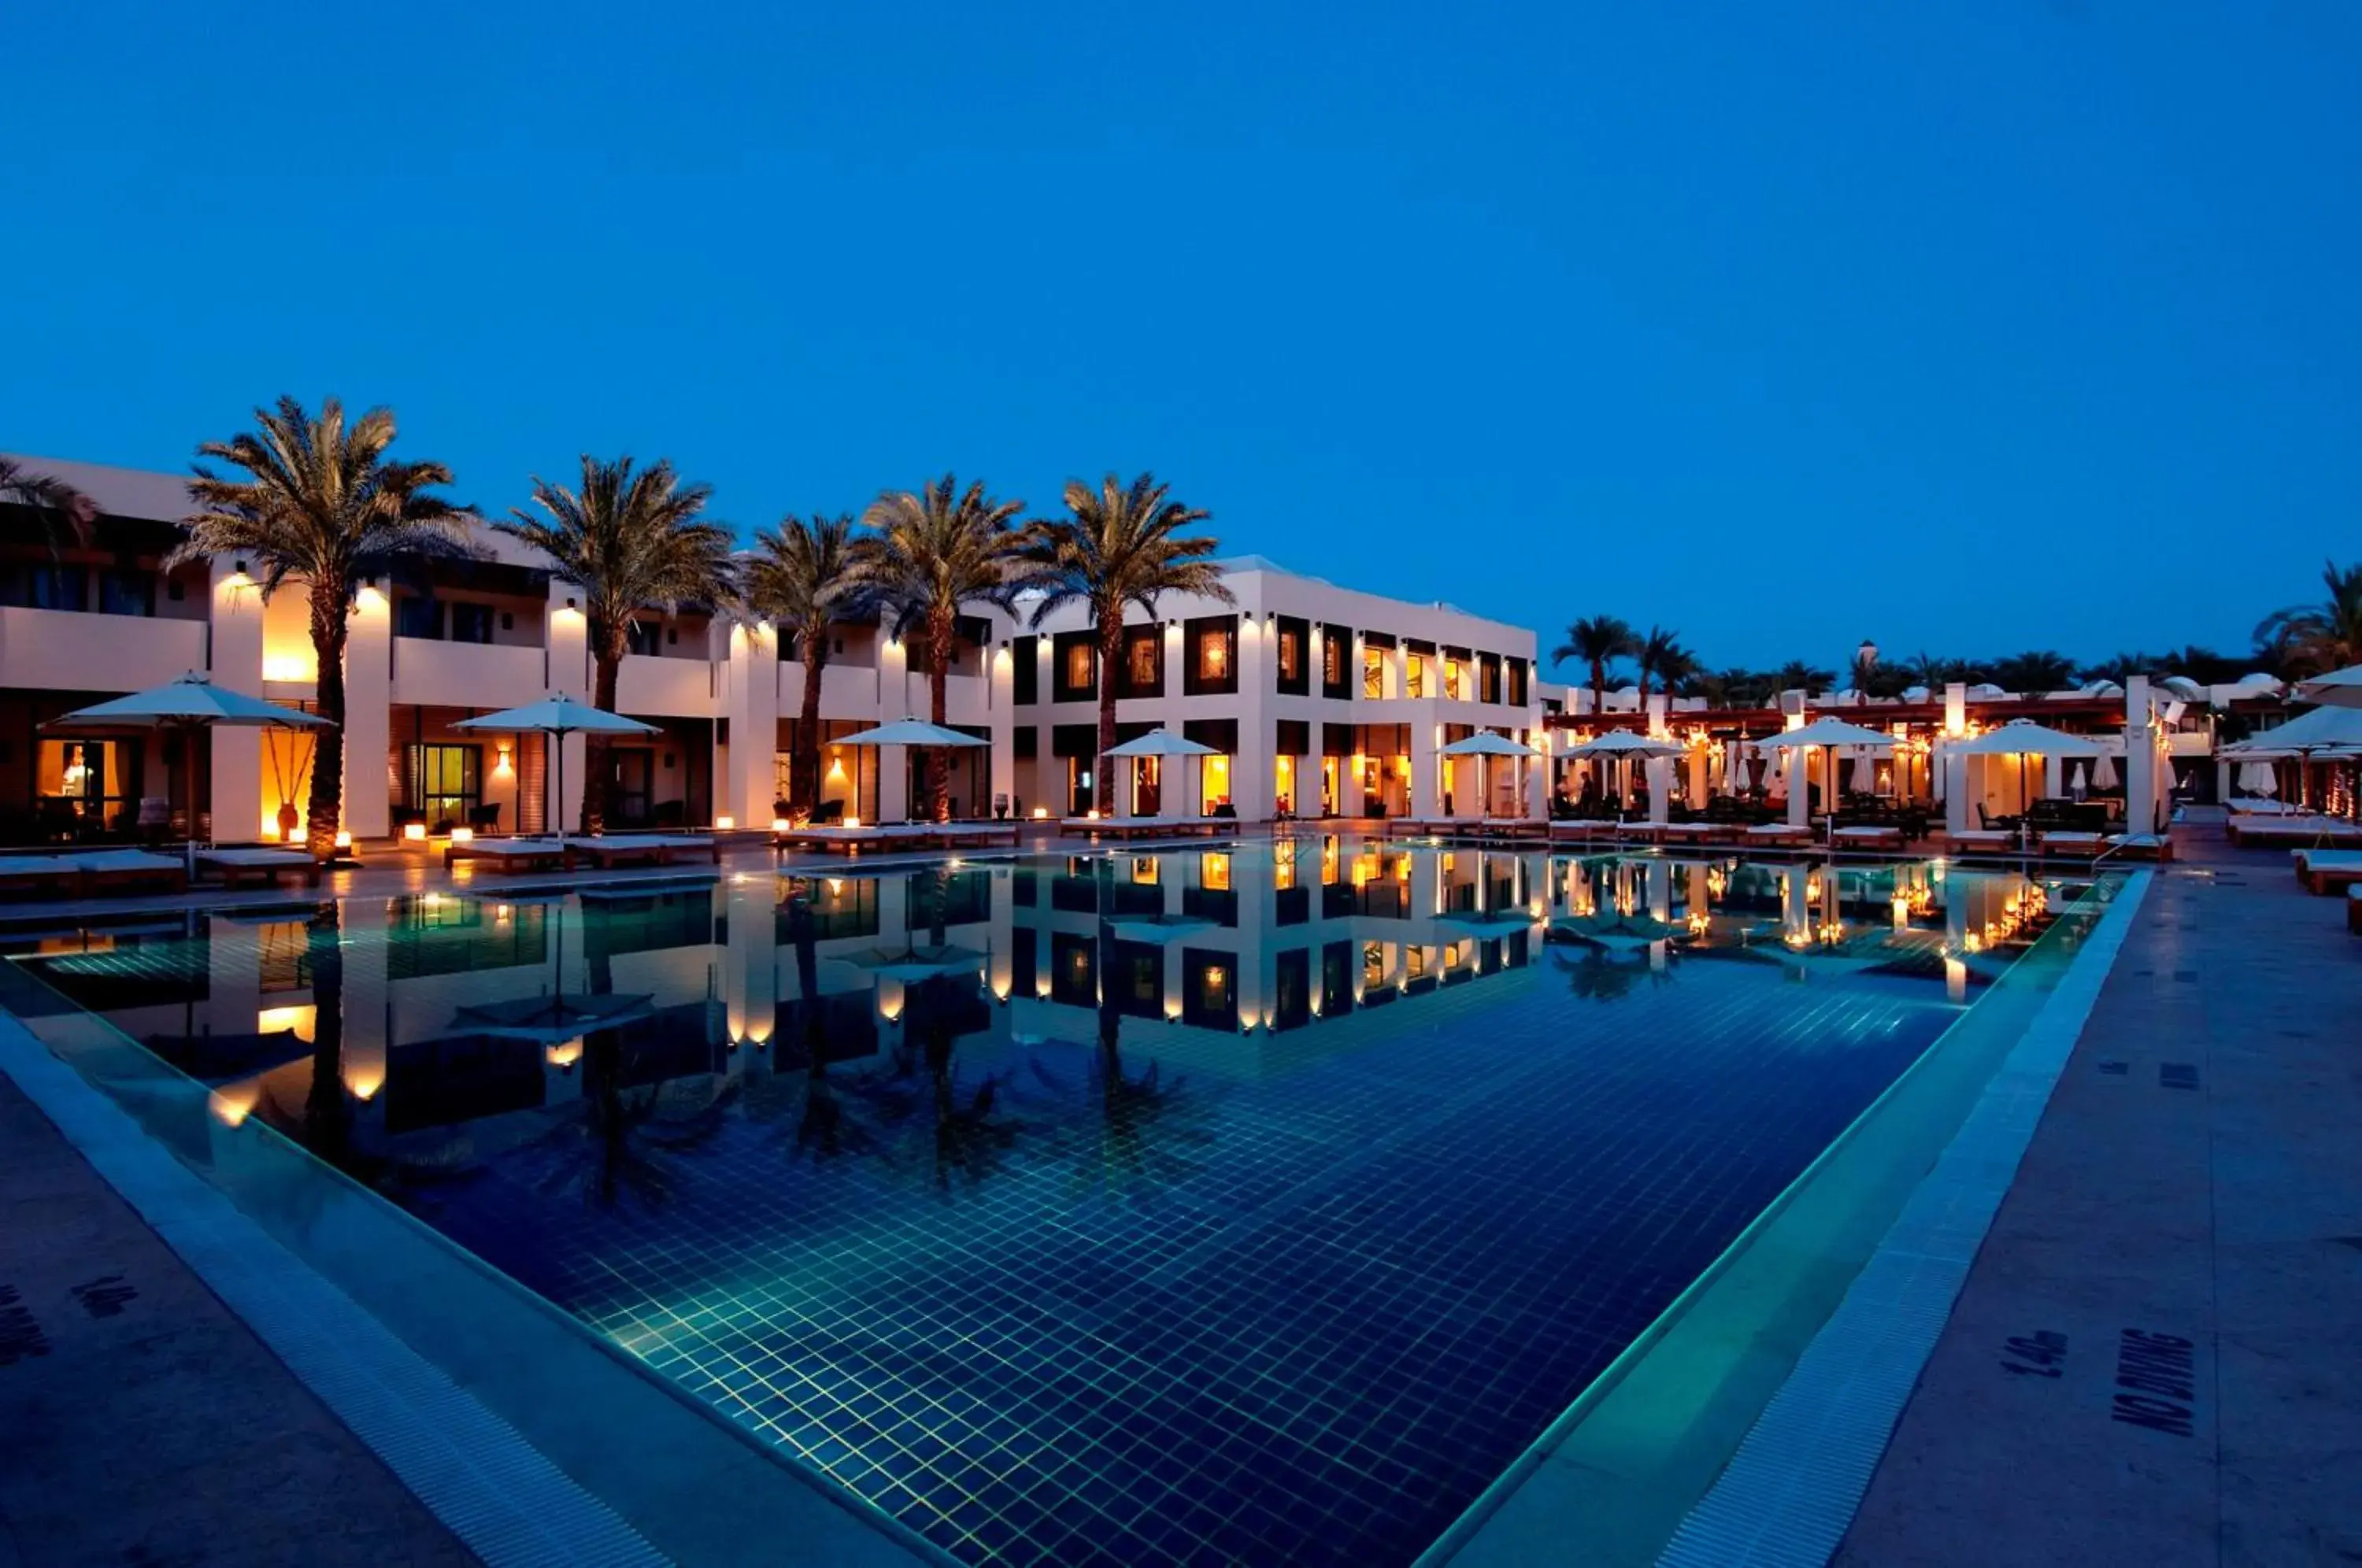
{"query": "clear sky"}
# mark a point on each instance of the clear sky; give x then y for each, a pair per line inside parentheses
(1965, 324)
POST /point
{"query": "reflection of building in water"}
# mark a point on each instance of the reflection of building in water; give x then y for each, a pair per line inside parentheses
(1235, 961)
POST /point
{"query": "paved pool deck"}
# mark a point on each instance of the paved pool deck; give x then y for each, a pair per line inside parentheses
(140, 1421)
(2155, 1359)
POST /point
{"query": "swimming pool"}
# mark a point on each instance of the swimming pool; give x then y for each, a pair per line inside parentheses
(1261, 1202)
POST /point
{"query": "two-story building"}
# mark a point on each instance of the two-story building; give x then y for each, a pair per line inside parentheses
(1316, 700)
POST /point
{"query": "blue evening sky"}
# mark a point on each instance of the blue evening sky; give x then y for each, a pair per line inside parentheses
(1965, 324)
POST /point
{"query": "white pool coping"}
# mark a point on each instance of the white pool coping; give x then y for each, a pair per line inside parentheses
(473, 1471)
(1790, 1494)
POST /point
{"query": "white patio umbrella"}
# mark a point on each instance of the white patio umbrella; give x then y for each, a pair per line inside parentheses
(2022, 738)
(1165, 742)
(2104, 772)
(2257, 778)
(559, 716)
(190, 705)
(2339, 688)
(1487, 744)
(2081, 784)
(1829, 735)
(911, 732)
(1626, 744)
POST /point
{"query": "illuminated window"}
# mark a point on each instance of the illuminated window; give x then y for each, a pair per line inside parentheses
(1218, 781)
(1283, 867)
(1415, 962)
(1291, 655)
(1374, 672)
(1374, 963)
(1214, 872)
(1415, 676)
(1331, 858)
(1332, 660)
(1144, 869)
(1147, 662)
(1451, 680)
(1082, 669)
(1213, 654)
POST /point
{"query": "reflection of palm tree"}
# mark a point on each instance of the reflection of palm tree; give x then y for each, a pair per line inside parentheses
(1597, 977)
(328, 1115)
(1136, 1132)
(934, 1127)
(821, 1127)
(620, 1144)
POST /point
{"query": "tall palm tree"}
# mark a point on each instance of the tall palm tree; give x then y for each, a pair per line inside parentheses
(1661, 654)
(2037, 669)
(800, 578)
(1797, 676)
(629, 541)
(319, 502)
(936, 550)
(1120, 545)
(50, 499)
(2313, 638)
(1596, 641)
(2120, 667)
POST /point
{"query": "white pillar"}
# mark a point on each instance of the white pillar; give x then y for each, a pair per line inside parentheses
(1001, 673)
(1797, 765)
(2141, 782)
(569, 675)
(1956, 789)
(1425, 770)
(894, 801)
(237, 794)
(1698, 759)
(1661, 787)
(746, 772)
(2054, 782)
(369, 717)
(1956, 707)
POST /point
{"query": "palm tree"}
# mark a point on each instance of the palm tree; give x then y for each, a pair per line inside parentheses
(49, 498)
(2322, 636)
(1661, 654)
(320, 502)
(936, 550)
(2035, 670)
(1596, 641)
(1797, 676)
(628, 541)
(2120, 667)
(1120, 546)
(801, 576)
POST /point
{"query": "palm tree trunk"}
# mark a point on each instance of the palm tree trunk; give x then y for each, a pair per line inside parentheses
(1598, 686)
(804, 773)
(324, 809)
(594, 748)
(1110, 650)
(940, 627)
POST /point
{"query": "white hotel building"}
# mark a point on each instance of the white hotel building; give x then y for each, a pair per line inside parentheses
(1312, 695)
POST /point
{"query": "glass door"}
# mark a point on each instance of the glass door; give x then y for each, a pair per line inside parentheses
(446, 784)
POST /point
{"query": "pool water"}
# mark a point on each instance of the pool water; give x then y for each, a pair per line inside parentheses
(1254, 1204)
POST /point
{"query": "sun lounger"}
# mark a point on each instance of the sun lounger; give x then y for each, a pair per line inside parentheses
(515, 854)
(975, 835)
(1982, 840)
(2084, 845)
(648, 849)
(1581, 828)
(852, 840)
(2142, 845)
(1689, 832)
(1779, 836)
(264, 865)
(2292, 829)
(2326, 871)
(24, 876)
(1148, 827)
(1866, 838)
(107, 869)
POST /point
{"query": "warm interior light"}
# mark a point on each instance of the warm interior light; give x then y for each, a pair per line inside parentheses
(501, 764)
(344, 838)
(724, 823)
(288, 667)
(1039, 813)
(298, 1020)
(415, 831)
(851, 821)
(463, 835)
(566, 1054)
(779, 824)
(364, 1081)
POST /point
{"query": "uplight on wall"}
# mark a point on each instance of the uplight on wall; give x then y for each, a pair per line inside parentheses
(463, 835)
(779, 824)
(504, 763)
(344, 838)
(724, 823)
(415, 832)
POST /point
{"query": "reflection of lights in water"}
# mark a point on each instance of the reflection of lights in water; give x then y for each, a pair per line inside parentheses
(232, 1106)
(364, 1081)
(565, 1054)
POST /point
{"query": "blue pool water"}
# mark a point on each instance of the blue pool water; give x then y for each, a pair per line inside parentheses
(1258, 1206)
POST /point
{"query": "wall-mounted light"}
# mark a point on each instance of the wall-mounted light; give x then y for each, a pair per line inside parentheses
(503, 762)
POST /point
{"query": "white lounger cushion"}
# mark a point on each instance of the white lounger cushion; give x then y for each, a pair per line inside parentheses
(505, 848)
(34, 866)
(121, 860)
(292, 857)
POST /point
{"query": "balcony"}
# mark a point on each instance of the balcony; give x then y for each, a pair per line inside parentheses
(666, 688)
(65, 650)
(467, 675)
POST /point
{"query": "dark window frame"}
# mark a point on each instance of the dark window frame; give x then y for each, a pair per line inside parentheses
(1195, 633)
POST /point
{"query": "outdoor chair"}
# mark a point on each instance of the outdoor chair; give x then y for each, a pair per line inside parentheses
(485, 819)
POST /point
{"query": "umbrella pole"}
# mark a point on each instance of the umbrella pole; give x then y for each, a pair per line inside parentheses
(558, 740)
(189, 766)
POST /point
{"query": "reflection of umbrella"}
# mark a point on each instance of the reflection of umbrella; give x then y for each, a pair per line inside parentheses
(190, 705)
(553, 1017)
(1631, 930)
(919, 962)
(1159, 929)
(1486, 923)
(559, 716)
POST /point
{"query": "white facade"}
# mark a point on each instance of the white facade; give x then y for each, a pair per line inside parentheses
(1321, 700)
